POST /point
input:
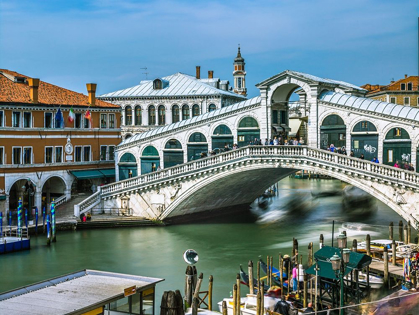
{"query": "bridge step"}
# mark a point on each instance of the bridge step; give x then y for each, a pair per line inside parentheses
(97, 224)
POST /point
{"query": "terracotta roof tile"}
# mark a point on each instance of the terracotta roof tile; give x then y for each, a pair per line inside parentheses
(48, 94)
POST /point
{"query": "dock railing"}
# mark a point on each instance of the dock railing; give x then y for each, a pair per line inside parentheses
(13, 231)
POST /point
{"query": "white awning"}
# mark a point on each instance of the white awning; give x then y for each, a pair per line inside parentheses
(295, 126)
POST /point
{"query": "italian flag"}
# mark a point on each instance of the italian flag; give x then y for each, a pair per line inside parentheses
(71, 115)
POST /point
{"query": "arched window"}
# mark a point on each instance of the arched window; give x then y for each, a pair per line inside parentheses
(173, 144)
(195, 110)
(364, 126)
(128, 116)
(397, 133)
(222, 130)
(197, 137)
(248, 122)
(138, 118)
(157, 84)
(150, 151)
(162, 115)
(185, 112)
(175, 114)
(333, 120)
(212, 108)
(151, 115)
(128, 158)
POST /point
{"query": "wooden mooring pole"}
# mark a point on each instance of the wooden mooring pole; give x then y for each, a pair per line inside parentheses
(258, 275)
(250, 271)
(405, 234)
(310, 254)
(368, 244)
(281, 272)
(409, 233)
(390, 231)
(270, 273)
(195, 300)
(235, 299)
(210, 285)
(386, 279)
(305, 290)
(321, 241)
(188, 286)
(171, 303)
(393, 249)
(238, 294)
(224, 308)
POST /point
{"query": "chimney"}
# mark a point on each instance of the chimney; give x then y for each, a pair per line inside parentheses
(405, 76)
(91, 89)
(198, 72)
(33, 86)
(210, 74)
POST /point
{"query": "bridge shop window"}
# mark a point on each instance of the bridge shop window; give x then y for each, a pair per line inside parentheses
(173, 144)
(150, 160)
(195, 110)
(212, 108)
(162, 115)
(332, 131)
(197, 146)
(185, 112)
(138, 114)
(151, 115)
(397, 147)
(128, 116)
(175, 114)
(173, 154)
(363, 126)
(221, 136)
(248, 122)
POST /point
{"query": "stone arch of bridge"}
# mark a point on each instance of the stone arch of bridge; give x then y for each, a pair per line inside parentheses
(269, 174)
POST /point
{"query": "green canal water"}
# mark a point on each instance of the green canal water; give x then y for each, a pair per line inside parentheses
(222, 246)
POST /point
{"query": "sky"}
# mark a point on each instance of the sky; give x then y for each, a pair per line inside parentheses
(109, 42)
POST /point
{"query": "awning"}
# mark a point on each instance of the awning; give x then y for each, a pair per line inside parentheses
(96, 173)
(295, 126)
(3, 197)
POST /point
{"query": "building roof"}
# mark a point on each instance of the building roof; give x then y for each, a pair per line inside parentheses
(395, 85)
(180, 84)
(314, 78)
(71, 294)
(371, 105)
(14, 89)
(193, 120)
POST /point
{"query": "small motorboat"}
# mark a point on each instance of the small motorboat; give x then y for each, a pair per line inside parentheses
(355, 228)
(375, 281)
(357, 201)
(378, 245)
(326, 193)
(245, 280)
(276, 276)
(248, 304)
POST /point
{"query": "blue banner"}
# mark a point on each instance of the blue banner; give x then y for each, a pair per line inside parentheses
(53, 220)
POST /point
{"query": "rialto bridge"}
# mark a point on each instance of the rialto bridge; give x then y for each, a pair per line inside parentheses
(161, 175)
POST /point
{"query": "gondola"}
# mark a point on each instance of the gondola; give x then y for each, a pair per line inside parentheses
(275, 273)
(245, 280)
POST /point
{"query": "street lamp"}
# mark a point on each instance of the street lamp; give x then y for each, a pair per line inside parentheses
(338, 266)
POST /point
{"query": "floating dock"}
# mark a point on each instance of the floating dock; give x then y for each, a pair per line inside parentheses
(12, 241)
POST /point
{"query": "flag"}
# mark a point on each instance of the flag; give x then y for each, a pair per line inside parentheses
(71, 115)
(59, 119)
(88, 116)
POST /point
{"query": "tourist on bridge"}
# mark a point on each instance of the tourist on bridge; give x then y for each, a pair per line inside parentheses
(235, 146)
(411, 168)
(276, 141)
(332, 148)
(375, 160)
(397, 164)
(362, 157)
(266, 142)
(352, 154)
(343, 151)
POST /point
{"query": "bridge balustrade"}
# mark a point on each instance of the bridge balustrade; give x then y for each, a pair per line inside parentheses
(302, 154)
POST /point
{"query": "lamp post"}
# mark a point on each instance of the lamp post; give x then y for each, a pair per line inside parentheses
(338, 265)
(29, 190)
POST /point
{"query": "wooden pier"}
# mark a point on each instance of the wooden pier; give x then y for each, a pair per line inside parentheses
(394, 271)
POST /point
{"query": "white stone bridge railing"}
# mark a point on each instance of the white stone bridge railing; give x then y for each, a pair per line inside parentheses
(314, 157)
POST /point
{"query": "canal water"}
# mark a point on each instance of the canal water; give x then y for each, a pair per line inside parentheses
(222, 246)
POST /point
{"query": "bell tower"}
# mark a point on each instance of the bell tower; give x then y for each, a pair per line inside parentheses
(239, 75)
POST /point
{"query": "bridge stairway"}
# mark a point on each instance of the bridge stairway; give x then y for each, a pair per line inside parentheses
(65, 211)
(100, 221)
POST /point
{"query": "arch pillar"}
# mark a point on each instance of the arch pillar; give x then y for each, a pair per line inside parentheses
(38, 199)
(265, 122)
(313, 130)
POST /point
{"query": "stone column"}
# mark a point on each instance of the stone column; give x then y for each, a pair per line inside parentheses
(38, 199)
(313, 138)
(265, 116)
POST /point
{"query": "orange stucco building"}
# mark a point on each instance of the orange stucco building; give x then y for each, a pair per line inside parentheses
(54, 143)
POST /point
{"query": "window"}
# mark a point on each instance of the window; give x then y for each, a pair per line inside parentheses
(111, 152)
(417, 102)
(364, 124)
(407, 101)
(27, 120)
(16, 119)
(77, 154)
(185, 112)
(86, 154)
(195, 110)
(103, 149)
(27, 155)
(212, 108)
(17, 155)
(283, 115)
(111, 120)
(103, 121)
(86, 123)
(1, 118)
(2, 156)
(128, 116)
(48, 154)
(48, 120)
(275, 116)
(393, 100)
(58, 154)
(138, 118)
(78, 121)
(239, 83)
(162, 115)
(151, 116)
(409, 86)
(175, 114)
(403, 86)
(157, 84)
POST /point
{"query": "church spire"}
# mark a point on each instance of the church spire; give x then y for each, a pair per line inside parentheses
(239, 74)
